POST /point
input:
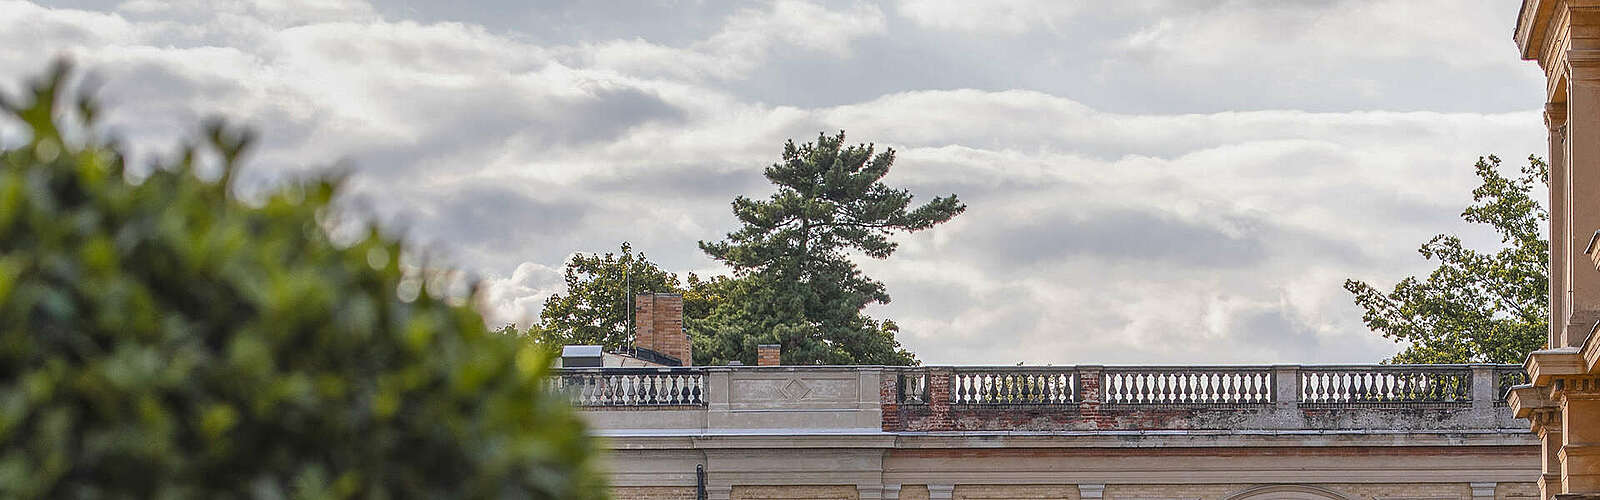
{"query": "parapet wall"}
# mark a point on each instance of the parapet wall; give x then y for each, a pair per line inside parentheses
(857, 399)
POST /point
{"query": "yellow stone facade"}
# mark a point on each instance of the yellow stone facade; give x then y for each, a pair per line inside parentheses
(1563, 401)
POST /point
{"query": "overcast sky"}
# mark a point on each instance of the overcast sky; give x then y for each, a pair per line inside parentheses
(1148, 181)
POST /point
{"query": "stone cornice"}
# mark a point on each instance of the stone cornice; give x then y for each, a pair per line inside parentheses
(1545, 364)
(1525, 399)
(1530, 29)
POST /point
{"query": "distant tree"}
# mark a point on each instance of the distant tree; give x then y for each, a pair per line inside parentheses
(1475, 307)
(794, 282)
(164, 339)
(596, 307)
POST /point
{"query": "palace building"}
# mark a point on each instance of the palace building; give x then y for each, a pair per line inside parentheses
(1150, 432)
(1076, 432)
(1562, 402)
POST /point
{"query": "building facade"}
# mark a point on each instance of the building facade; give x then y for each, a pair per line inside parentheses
(1562, 403)
(1084, 432)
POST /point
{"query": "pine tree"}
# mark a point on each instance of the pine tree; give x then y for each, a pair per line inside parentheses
(794, 281)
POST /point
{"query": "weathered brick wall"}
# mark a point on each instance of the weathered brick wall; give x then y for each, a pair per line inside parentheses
(1520, 491)
(1503, 491)
(653, 493)
(1015, 492)
(888, 394)
(818, 492)
(914, 492)
(769, 355)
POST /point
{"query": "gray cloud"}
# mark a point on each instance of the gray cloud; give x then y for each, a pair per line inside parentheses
(1115, 236)
(1151, 181)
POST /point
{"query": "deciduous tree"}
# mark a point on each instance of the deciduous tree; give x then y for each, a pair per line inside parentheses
(1477, 306)
(596, 307)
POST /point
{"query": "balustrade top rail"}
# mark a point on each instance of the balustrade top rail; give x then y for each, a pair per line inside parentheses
(1312, 386)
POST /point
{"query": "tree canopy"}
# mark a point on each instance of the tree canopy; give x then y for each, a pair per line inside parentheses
(596, 307)
(794, 282)
(1478, 307)
(165, 339)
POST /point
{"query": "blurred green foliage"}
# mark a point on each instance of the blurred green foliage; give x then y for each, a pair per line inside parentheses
(164, 339)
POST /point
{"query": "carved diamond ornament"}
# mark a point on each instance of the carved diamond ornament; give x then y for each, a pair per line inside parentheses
(794, 390)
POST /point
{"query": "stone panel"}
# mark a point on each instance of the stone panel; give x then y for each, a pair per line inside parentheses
(811, 492)
(780, 391)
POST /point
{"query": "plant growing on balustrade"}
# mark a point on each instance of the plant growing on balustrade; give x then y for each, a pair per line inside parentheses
(794, 283)
(1476, 307)
(164, 339)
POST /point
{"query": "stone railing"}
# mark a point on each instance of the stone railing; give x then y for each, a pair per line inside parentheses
(1186, 385)
(1012, 386)
(1073, 398)
(1385, 385)
(634, 386)
(1507, 377)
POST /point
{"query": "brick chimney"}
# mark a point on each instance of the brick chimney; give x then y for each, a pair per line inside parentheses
(769, 355)
(658, 325)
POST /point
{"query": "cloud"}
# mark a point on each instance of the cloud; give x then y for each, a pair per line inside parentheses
(1004, 16)
(1152, 181)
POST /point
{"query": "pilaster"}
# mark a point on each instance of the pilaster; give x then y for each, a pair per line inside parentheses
(873, 492)
(941, 491)
(1580, 443)
(1482, 491)
(890, 492)
(1582, 155)
(1555, 119)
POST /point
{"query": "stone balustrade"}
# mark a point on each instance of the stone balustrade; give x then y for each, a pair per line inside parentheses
(1048, 399)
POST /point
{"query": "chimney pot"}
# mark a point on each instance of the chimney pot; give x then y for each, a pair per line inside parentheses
(769, 355)
(658, 325)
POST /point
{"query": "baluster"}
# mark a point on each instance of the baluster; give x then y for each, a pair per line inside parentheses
(630, 390)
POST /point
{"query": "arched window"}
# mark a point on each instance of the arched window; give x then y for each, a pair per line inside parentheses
(1287, 492)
